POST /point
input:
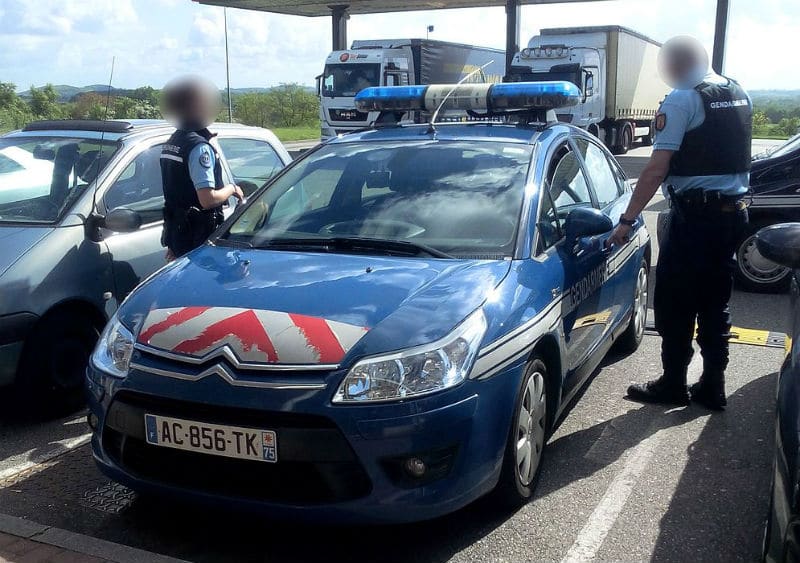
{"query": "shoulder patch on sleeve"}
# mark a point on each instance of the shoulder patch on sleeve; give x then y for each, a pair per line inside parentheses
(205, 158)
(661, 121)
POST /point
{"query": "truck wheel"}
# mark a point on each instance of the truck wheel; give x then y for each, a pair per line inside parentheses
(753, 272)
(527, 438)
(625, 139)
(53, 364)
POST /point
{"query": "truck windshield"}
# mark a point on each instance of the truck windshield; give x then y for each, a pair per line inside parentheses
(462, 199)
(347, 80)
(40, 177)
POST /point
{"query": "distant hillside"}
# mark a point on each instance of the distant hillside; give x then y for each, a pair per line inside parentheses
(67, 93)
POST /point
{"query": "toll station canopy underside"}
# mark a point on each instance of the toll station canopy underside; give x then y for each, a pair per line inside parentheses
(308, 8)
(340, 11)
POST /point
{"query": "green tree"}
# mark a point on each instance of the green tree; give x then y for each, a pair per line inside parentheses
(14, 112)
(44, 102)
(789, 126)
(760, 119)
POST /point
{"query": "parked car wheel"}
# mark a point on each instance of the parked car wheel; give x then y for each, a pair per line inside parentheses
(754, 272)
(630, 340)
(526, 439)
(54, 361)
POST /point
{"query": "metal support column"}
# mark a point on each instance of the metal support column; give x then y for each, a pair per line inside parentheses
(513, 16)
(339, 17)
(720, 34)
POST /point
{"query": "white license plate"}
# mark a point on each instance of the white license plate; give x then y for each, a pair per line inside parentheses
(227, 441)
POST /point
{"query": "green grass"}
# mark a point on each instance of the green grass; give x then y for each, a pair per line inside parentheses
(769, 131)
(302, 133)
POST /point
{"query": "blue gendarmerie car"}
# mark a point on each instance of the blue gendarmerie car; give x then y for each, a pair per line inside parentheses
(389, 329)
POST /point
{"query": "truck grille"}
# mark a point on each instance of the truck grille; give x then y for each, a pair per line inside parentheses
(347, 115)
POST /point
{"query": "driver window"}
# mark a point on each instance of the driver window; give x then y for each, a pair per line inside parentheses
(252, 161)
(138, 187)
(567, 188)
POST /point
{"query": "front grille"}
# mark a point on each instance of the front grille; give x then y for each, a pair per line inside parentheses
(315, 462)
(347, 115)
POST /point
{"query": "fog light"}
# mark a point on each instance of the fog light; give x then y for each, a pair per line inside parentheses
(415, 467)
(92, 421)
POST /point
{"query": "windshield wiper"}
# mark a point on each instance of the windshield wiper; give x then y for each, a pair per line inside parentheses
(355, 243)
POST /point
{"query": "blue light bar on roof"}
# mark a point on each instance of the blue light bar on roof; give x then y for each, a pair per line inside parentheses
(481, 97)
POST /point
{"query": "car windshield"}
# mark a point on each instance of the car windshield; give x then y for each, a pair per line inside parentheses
(349, 79)
(454, 198)
(791, 145)
(40, 177)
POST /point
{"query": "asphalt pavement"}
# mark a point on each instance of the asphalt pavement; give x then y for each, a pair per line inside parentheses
(621, 481)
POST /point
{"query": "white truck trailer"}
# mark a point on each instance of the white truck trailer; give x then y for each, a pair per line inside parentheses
(616, 69)
(395, 62)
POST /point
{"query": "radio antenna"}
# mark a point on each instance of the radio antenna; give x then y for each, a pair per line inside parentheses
(97, 159)
(431, 126)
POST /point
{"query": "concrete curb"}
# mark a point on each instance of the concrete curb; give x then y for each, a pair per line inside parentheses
(79, 543)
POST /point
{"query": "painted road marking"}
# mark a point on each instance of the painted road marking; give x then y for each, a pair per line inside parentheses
(749, 336)
(60, 448)
(591, 537)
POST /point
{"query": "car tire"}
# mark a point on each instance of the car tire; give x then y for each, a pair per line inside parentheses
(527, 438)
(755, 273)
(629, 341)
(54, 360)
(625, 140)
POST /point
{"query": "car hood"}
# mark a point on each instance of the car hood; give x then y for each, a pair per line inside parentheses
(304, 308)
(16, 241)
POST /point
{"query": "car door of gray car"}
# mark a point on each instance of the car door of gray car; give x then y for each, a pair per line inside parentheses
(135, 255)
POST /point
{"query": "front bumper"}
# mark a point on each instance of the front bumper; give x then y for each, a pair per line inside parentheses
(334, 462)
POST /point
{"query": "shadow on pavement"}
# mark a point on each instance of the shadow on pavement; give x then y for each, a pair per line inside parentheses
(707, 519)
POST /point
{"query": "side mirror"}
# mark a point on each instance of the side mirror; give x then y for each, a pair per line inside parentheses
(780, 244)
(586, 222)
(122, 220)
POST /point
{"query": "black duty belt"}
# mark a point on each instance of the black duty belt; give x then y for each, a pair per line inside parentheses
(705, 200)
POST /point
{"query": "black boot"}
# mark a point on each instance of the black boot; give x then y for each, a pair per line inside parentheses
(710, 390)
(661, 391)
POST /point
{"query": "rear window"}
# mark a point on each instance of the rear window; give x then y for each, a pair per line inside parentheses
(40, 177)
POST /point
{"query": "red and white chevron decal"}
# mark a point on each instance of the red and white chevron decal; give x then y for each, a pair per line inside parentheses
(253, 335)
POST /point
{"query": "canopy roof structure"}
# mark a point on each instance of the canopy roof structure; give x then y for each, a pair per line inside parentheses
(340, 11)
(311, 8)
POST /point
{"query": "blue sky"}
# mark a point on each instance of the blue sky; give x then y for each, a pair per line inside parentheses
(73, 41)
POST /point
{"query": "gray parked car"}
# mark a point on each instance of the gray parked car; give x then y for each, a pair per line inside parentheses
(80, 227)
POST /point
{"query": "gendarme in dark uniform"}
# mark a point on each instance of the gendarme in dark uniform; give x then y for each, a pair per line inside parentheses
(194, 190)
(702, 155)
(189, 163)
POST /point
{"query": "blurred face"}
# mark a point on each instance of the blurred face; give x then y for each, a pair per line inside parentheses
(192, 102)
(683, 62)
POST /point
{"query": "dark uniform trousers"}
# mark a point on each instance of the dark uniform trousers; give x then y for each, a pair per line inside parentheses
(694, 279)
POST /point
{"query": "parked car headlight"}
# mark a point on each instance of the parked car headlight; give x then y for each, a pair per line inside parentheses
(112, 354)
(416, 371)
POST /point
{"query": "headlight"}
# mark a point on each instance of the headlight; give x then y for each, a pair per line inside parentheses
(114, 349)
(416, 371)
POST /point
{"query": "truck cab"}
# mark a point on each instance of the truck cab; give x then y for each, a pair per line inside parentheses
(348, 72)
(578, 61)
(616, 70)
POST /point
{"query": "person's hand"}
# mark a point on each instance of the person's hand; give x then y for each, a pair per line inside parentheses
(169, 256)
(237, 192)
(620, 236)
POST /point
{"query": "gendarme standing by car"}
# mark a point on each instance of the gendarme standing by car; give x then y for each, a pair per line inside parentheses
(191, 168)
(702, 155)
